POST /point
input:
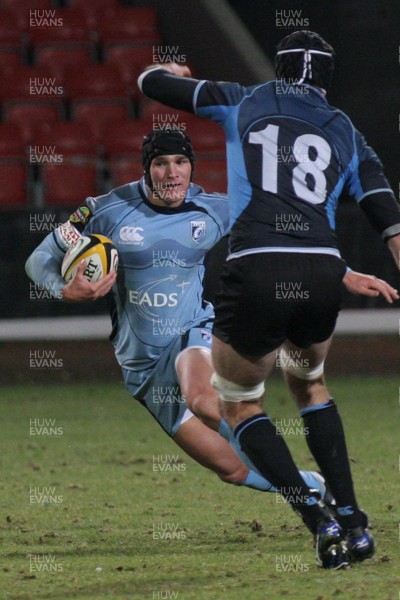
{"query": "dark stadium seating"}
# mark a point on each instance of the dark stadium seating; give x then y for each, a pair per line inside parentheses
(129, 60)
(71, 88)
(133, 25)
(10, 59)
(12, 144)
(14, 179)
(75, 29)
(11, 36)
(211, 175)
(69, 138)
(124, 138)
(26, 115)
(69, 183)
(124, 169)
(59, 58)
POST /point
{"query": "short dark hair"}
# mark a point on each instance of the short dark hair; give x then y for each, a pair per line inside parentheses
(305, 57)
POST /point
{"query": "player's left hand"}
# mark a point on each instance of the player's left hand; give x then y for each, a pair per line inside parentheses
(369, 285)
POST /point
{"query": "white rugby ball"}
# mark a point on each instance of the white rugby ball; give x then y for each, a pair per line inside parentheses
(99, 252)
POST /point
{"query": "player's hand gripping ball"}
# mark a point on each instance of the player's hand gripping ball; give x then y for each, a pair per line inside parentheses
(100, 254)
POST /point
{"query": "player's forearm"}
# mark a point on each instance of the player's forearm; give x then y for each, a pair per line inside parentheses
(43, 267)
(168, 88)
(394, 247)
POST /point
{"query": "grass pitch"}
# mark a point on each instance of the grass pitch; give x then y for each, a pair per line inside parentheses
(97, 502)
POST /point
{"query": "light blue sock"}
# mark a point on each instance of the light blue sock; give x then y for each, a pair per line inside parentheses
(258, 482)
(254, 478)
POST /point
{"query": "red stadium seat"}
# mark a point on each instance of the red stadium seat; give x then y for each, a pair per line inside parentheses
(129, 60)
(124, 138)
(163, 116)
(68, 138)
(12, 144)
(96, 10)
(208, 138)
(30, 83)
(13, 189)
(98, 95)
(26, 5)
(68, 183)
(124, 170)
(10, 59)
(74, 29)
(96, 81)
(134, 25)
(211, 175)
(99, 114)
(27, 116)
(58, 59)
(11, 37)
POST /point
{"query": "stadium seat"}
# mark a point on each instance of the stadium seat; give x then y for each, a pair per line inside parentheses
(124, 138)
(134, 25)
(68, 138)
(96, 10)
(163, 116)
(30, 83)
(12, 144)
(69, 183)
(13, 189)
(75, 29)
(211, 175)
(11, 41)
(96, 81)
(208, 138)
(27, 116)
(26, 5)
(10, 59)
(129, 60)
(97, 95)
(99, 114)
(58, 59)
(124, 169)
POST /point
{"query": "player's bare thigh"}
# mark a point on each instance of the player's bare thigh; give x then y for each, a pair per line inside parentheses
(243, 370)
(194, 369)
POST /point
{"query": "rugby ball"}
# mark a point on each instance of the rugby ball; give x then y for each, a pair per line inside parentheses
(99, 252)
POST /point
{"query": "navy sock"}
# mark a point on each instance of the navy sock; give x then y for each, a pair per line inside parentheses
(265, 447)
(326, 440)
(254, 479)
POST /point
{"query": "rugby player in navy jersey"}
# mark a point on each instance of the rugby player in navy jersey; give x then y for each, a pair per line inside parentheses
(266, 125)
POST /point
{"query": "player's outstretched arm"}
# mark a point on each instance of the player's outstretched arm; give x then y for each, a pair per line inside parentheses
(80, 289)
(369, 285)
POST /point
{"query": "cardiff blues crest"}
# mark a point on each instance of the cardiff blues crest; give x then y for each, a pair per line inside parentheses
(198, 229)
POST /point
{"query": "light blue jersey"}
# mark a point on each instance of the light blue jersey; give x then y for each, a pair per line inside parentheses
(158, 294)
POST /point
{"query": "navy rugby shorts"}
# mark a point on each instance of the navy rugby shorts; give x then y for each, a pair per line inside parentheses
(267, 298)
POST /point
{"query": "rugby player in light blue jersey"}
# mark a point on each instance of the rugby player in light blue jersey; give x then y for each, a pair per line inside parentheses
(163, 226)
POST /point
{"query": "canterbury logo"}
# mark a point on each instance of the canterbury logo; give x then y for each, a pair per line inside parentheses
(131, 234)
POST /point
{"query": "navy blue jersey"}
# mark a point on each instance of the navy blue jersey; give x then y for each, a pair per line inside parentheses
(290, 156)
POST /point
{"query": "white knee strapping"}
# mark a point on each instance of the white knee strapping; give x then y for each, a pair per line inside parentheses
(232, 392)
(298, 367)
